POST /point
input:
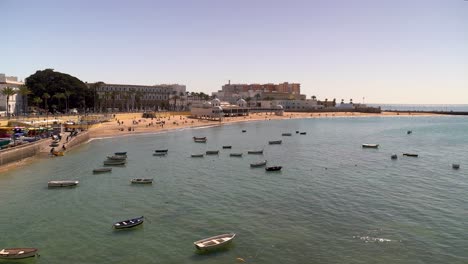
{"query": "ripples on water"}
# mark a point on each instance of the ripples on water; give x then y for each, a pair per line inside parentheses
(333, 202)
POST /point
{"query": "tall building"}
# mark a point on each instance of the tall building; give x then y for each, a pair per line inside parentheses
(232, 92)
(15, 102)
(131, 97)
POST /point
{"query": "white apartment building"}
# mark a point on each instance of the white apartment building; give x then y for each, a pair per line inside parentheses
(15, 102)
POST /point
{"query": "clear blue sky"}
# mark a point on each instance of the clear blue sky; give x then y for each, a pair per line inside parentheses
(388, 51)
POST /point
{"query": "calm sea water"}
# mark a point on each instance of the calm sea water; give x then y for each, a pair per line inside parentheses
(333, 202)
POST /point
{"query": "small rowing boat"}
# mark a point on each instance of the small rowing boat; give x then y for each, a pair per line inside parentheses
(370, 145)
(102, 170)
(410, 155)
(227, 147)
(394, 156)
(255, 152)
(129, 223)
(117, 157)
(214, 242)
(303, 133)
(258, 164)
(212, 152)
(120, 153)
(197, 155)
(161, 150)
(17, 253)
(455, 166)
(275, 142)
(286, 134)
(62, 183)
(142, 180)
(200, 140)
(273, 168)
(114, 162)
(235, 154)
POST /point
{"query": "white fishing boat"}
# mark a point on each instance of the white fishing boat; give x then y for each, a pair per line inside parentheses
(214, 242)
(62, 183)
(17, 253)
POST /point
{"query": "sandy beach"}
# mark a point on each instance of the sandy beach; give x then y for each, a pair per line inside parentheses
(133, 123)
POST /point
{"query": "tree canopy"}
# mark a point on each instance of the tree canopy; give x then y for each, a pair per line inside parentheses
(57, 85)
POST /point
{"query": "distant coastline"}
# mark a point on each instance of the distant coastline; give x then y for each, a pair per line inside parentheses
(423, 107)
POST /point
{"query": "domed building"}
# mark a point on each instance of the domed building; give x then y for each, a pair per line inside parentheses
(215, 102)
(279, 110)
(241, 103)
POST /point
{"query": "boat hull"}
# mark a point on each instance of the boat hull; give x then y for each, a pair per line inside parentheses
(18, 253)
(129, 223)
(214, 242)
(62, 183)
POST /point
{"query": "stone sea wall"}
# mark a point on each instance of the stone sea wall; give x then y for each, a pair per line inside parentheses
(24, 151)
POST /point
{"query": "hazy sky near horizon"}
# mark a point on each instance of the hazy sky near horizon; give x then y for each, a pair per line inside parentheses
(388, 51)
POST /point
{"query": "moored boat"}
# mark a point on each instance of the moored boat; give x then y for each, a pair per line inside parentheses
(370, 145)
(197, 155)
(258, 164)
(303, 133)
(212, 152)
(58, 153)
(235, 154)
(142, 180)
(214, 242)
(410, 155)
(161, 150)
(62, 183)
(255, 152)
(286, 134)
(120, 153)
(456, 166)
(129, 223)
(102, 170)
(273, 168)
(17, 253)
(117, 157)
(227, 147)
(394, 156)
(409, 132)
(114, 162)
(200, 140)
(243, 131)
(275, 142)
(297, 131)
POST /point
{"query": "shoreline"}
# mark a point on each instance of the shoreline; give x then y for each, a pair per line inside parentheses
(111, 129)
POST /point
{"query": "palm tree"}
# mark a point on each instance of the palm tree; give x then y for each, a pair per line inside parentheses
(67, 97)
(138, 96)
(351, 100)
(37, 101)
(46, 96)
(342, 101)
(334, 101)
(257, 96)
(24, 92)
(8, 91)
(59, 96)
(314, 97)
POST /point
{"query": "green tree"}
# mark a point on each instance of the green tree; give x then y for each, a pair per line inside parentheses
(52, 82)
(24, 91)
(37, 101)
(8, 91)
(46, 97)
(59, 97)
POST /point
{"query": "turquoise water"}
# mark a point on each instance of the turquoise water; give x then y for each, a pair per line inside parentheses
(333, 202)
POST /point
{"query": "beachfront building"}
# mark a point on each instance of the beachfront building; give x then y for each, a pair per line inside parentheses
(292, 105)
(15, 102)
(129, 97)
(216, 109)
(253, 93)
(184, 101)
